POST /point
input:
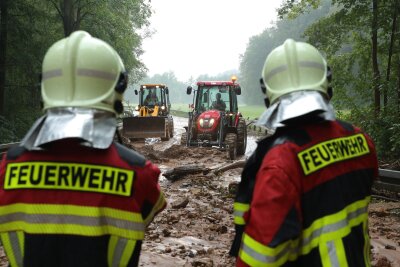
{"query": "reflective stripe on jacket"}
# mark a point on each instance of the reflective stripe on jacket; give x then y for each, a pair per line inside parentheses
(306, 198)
(93, 203)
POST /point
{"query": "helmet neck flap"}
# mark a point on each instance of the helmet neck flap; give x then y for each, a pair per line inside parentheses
(296, 105)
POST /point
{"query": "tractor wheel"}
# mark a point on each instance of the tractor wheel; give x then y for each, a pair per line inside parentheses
(241, 137)
(184, 139)
(230, 141)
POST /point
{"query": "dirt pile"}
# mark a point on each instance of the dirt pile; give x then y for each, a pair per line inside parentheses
(384, 229)
(196, 229)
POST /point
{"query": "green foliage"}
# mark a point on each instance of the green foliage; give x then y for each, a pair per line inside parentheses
(34, 25)
(345, 37)
(261, 45)
(118, 22)
(177, 89)
(383, 130)
(7, 133)
(14, 129)
(341, 30)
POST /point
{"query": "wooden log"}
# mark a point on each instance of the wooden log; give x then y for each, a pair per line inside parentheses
(230, 166)
(181, 171)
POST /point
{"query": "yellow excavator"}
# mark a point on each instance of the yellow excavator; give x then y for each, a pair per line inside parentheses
(154, 118)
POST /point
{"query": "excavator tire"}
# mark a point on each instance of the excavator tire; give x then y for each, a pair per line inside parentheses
(230, 141)
(241, 137)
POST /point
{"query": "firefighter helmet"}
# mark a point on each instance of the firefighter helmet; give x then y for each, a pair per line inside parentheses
(83, 71)
(294, 66)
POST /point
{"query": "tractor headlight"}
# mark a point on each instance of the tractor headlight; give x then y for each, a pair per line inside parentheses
(162, 108)
(137, 108)
(201, 122)
(211, 122)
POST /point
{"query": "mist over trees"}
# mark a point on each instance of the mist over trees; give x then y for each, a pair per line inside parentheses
(361, 41)
(177, 89)
(259, 46)
(359, 38)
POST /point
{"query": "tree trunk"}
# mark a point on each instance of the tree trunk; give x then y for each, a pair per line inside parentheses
(398, 84)
(3, 46)
(375, 67)
(68, 15)
(390, 53)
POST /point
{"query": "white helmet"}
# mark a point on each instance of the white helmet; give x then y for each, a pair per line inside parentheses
(83, 71)
(294, 66)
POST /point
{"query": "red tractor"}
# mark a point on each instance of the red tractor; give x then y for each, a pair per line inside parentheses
(215, 119)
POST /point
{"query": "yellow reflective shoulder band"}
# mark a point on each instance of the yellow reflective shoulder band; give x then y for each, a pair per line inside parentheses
(112, 243)
(333, 254)
(323, 233)
(13, 243)
(70, 209)
(21, 241)
(241, 206)
(334, 226)
(239, 210)
(254, 253)
(70, 219)
(159, 204)
(127, 252)
(120, 251)
(367, 245)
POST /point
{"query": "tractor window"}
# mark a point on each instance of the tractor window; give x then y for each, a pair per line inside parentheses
(214, 97)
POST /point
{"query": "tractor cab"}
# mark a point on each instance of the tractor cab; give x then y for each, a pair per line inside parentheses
(215, 119)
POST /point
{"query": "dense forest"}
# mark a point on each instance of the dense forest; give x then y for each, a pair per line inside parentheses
(359, 38)
(29, 27)
(361, 41)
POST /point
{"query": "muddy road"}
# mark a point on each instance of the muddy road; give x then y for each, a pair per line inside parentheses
(196, 228)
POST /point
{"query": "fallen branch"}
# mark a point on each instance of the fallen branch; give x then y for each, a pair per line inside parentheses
(180, 171)
(230, 166)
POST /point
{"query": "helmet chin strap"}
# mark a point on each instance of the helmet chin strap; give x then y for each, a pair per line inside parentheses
(120, 88)
(266, 102)
(264, 90)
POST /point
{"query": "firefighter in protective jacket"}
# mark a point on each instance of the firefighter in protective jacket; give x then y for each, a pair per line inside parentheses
(304, 193)
(69, 195)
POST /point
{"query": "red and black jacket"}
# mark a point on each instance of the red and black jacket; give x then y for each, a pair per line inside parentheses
(71, 205)
(303, 198)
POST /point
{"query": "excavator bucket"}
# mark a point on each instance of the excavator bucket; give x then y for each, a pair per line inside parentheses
(144, 127)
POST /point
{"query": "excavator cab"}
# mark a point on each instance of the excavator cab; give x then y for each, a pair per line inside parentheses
(154, 118)
(153, 100)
